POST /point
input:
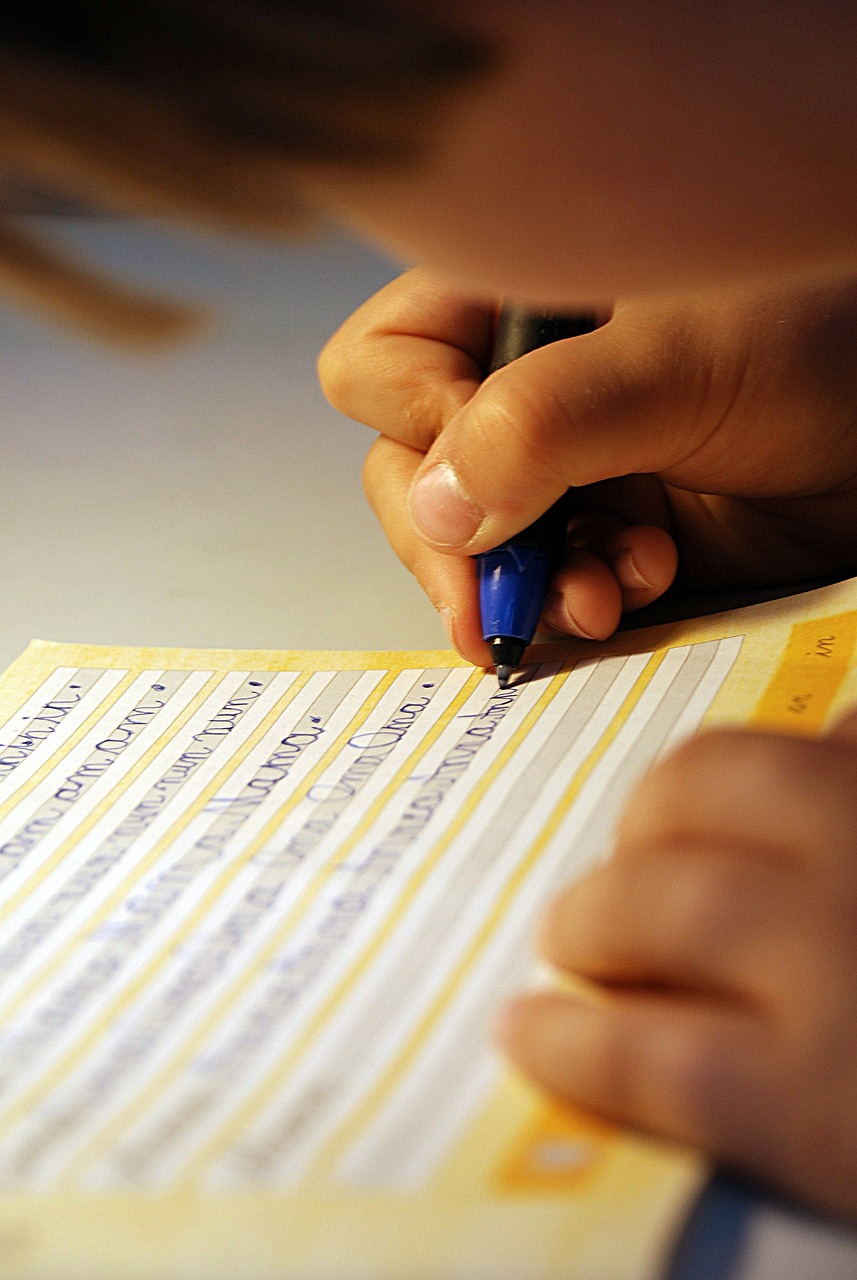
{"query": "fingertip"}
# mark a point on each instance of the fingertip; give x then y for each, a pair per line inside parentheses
(539, 1032)
(644, 560)
(506, 1023)
(586, 600)
(465, 636)
(450, 584)
(569, 615)
(516, 1023)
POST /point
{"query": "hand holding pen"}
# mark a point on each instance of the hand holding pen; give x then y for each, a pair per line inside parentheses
(475, 459)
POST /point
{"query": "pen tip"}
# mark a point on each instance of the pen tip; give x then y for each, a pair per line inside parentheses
(507, 652)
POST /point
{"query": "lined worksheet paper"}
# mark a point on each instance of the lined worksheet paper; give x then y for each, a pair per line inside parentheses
(255, 924)
(258, 911)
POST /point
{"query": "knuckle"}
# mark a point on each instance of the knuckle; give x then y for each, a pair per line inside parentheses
(533, 422)
(511, 433)
(423, 417)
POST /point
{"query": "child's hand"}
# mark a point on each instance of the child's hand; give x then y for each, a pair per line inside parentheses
(724, 933)
(718, 431)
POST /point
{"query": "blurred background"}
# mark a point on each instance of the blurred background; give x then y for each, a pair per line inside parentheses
(204, 497)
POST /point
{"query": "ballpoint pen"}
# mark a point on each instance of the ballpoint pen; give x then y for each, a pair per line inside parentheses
(514, 577)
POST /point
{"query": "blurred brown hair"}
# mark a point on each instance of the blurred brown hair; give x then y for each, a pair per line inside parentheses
(194, 109)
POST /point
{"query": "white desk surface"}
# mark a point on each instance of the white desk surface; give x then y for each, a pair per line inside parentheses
(210, 497)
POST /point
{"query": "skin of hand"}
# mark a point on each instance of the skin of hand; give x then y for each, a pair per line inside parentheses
(713, 436)
(624, 148)
(719, 942)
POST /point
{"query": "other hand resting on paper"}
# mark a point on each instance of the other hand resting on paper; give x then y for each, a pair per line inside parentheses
(716, 436)
(723, 937)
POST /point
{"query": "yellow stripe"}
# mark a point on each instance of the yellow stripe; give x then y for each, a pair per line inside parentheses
(119, 788)
(361, 1117)
(816, 660)
(160, 1081)
(560, 1149)
(315, 886)
(268, 1087)
(58, 959)
(81, 1046)
(62, 750)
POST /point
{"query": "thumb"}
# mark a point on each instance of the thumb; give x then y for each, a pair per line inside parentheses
(588, 408)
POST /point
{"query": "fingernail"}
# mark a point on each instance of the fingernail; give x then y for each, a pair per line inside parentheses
(557, 615)
(628, 572)
(441, 508)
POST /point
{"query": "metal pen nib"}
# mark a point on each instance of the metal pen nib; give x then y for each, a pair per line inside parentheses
(506, 654)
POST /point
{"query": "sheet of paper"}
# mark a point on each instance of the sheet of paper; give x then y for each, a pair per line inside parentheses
(257, 911)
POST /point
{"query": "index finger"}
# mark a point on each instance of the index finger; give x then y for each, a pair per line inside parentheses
(408, 359)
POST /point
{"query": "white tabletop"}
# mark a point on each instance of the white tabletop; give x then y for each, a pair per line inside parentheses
(210, 497)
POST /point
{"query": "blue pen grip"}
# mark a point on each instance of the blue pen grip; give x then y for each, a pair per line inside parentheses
(513, 582)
